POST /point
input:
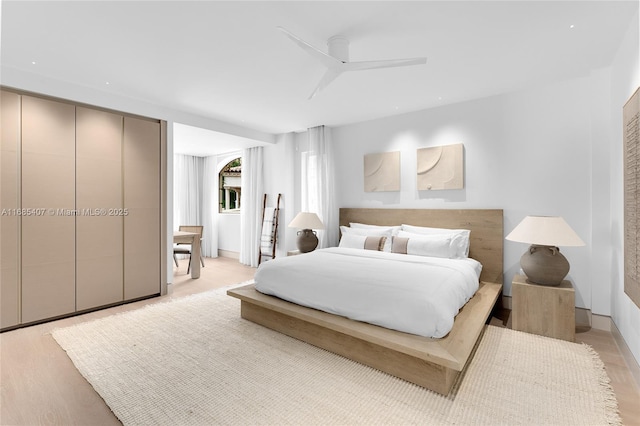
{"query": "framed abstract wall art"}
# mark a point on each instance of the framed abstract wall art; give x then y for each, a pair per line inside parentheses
(382, 172)
(440, 167)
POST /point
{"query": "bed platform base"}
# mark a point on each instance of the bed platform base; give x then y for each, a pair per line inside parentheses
(432, 363)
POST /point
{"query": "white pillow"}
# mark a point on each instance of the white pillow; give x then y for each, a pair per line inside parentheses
(362, 242)
(370, 232)
(394, 229)
(460, 237)
(436, 245)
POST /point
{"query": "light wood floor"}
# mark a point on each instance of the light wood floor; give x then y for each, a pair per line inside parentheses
(38, 382)
(40, 385)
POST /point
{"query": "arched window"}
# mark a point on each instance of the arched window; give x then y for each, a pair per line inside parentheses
(230, 186)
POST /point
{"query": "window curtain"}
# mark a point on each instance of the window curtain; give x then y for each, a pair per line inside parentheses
(318, 187)
(187, 190)
(210, 207)
(195, 194)
(251, 202)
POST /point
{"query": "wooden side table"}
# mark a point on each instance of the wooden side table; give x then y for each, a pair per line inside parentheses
(544, 310)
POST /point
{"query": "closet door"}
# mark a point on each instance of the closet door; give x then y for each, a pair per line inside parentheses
(99, 224)
(9, 204)
(48, 182)
(142, 231)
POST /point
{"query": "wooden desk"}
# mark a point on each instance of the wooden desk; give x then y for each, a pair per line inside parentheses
(544, 310)
(192, 238)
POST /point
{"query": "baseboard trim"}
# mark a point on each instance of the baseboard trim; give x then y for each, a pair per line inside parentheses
(629, 359)
(227, 253)
(600, 322)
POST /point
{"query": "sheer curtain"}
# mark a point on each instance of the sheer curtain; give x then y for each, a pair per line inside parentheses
(210, 207)
(195, 197)
(187, 190)
(251, 203)
(318, 187)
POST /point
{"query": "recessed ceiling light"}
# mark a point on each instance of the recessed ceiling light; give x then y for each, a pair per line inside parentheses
(571, 26)
(107, 83)
(33, 62)
(396, 107)
(439, 98)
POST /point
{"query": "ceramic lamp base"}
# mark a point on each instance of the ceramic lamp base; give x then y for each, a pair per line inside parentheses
(544, 265)
(307, 240)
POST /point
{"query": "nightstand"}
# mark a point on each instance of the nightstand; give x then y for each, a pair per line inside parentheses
(293, 252)
(544, 310)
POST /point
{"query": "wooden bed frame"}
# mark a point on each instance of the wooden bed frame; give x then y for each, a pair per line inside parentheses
(432, 363)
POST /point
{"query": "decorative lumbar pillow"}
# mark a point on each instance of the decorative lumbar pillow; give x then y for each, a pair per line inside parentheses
(460, 237)
(362, 242)
(399, 245)
(375, 243)
(424, 245)
(370, 232)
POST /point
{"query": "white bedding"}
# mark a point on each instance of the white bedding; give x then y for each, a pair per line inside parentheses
(413, 294)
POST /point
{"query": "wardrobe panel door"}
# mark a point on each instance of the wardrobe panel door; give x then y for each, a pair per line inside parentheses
(48, 182)
(99, 224)
(142, 231)
(9, 203)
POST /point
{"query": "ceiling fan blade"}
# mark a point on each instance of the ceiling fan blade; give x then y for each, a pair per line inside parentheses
(327, 78)
(327, 60)
(368, 65)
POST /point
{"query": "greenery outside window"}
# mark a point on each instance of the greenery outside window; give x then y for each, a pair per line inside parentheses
(230, 186)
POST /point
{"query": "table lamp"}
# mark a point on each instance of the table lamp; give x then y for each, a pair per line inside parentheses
(543, 263)
(306, 222)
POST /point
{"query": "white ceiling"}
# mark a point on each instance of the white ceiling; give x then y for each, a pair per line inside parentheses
(228, 61)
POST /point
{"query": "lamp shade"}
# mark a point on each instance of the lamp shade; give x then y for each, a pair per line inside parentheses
(546, 231)
(542, 262)
(306, 220)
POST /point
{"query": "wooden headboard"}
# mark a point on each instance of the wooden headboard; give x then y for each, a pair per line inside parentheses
(486, 226)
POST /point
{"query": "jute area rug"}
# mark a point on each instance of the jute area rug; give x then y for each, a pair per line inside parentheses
(194, 361)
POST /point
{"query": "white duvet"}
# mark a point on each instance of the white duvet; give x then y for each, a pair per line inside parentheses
(413, 294)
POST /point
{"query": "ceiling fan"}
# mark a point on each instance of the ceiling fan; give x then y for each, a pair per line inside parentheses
(337, 59)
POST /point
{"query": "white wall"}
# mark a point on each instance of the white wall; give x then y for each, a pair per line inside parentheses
(281, 177)
(625, 79)
(229, 232)
(527, 153)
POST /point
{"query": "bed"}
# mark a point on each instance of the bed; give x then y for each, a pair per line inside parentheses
(434, 363)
